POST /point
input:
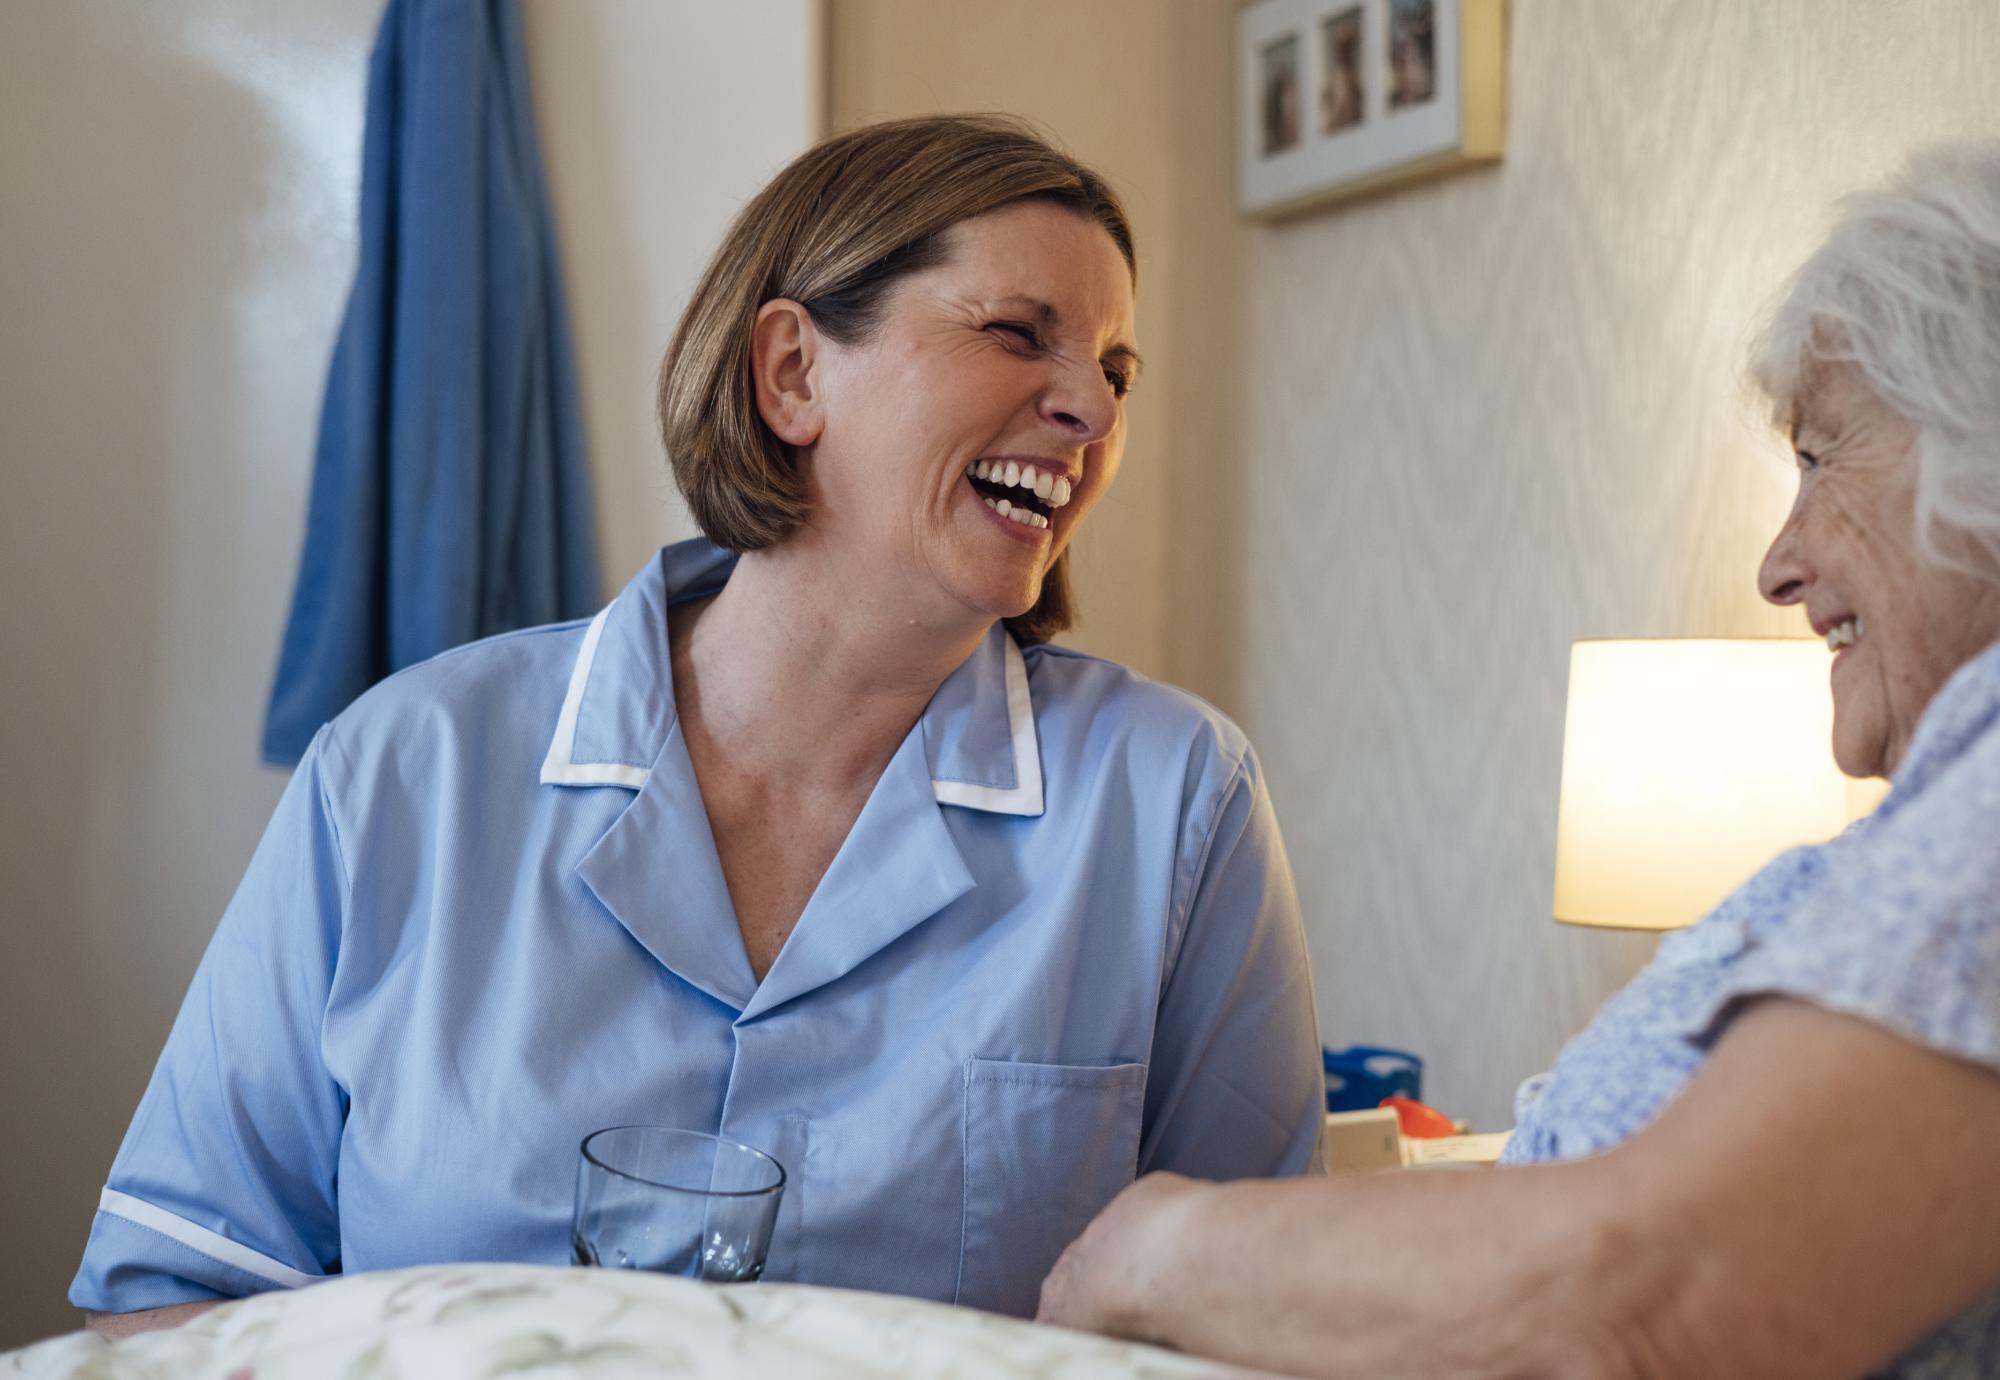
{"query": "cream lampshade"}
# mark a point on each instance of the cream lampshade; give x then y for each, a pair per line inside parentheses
(1689, 763)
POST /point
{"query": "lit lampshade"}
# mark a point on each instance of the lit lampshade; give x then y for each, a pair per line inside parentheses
(1689, 763)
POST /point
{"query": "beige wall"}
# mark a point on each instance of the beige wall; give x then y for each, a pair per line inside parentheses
(1399, 455)
(175, 247)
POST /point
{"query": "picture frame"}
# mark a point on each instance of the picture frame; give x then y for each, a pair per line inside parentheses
(1339, 99)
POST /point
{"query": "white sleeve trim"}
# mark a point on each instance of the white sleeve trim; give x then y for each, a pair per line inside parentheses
(197, 1238)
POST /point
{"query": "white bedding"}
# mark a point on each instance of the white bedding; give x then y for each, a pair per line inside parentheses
(444, 1322)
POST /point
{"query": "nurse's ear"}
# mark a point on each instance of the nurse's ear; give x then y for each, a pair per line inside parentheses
(784, 354)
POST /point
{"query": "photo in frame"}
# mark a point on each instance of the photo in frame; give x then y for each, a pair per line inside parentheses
(1345, 98)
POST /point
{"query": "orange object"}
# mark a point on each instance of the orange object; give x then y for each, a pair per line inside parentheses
(1417, 1120)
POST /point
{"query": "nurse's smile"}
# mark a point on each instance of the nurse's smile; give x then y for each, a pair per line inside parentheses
(1023, 491)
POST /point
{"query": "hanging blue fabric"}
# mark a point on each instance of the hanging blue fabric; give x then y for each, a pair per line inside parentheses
(449, 499)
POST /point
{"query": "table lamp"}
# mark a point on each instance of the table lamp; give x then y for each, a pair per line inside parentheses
(1689, 763)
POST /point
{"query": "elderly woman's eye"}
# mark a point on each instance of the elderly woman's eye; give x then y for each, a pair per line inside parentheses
(1807, 460)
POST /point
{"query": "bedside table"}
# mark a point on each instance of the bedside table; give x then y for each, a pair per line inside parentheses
(1363, 1142)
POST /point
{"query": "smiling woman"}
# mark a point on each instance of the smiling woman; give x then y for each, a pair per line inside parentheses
(1881, 362)
(1898, 620)
(830, 238)
(808, 840)
(958, 374)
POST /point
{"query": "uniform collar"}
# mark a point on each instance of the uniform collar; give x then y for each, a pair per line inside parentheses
(978, 731)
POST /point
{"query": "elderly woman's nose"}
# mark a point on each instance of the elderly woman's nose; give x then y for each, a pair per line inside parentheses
(1781, 579)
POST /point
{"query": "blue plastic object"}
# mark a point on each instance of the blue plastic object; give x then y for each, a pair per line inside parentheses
(1360, 1076)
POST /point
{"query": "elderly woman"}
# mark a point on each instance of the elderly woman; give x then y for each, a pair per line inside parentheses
(1772, 1155)
(809, 839)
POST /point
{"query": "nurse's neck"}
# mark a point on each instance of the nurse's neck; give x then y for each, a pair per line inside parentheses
(795, 673)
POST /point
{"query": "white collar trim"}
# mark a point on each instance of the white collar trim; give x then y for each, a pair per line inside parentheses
(559, 767)
(1025, 798)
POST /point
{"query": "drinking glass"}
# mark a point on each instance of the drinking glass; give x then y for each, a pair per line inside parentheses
(676, 1202)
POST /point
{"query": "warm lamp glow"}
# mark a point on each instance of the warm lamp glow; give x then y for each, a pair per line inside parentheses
(1689, 763)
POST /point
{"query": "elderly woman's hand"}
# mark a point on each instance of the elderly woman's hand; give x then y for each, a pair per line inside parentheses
(1102, 1280)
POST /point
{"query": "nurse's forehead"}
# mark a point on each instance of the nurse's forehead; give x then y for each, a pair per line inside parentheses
(1083, 265)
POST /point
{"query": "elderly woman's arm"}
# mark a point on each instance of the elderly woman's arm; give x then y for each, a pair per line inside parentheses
(1818, 1198)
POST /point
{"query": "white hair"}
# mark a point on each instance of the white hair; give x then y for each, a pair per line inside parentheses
(1907, 290)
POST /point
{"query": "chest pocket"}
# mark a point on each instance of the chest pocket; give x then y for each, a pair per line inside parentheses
(1046, 1147)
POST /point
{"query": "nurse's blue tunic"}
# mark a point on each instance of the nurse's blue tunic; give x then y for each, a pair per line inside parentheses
(1060, 948)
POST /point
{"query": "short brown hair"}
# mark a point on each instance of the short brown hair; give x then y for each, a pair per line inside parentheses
(835, 231)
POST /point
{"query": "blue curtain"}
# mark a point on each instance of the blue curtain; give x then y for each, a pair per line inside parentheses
(450, 499)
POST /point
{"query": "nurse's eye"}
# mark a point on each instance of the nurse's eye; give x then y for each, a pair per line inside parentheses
(1120, 381)
(1019, 335)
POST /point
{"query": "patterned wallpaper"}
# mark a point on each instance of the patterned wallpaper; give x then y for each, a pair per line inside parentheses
(1458, 427)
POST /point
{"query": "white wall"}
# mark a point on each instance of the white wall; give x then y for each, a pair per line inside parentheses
(176, 240)
(180, 192)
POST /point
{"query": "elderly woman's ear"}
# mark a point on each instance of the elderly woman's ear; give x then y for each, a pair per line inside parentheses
(783, 351)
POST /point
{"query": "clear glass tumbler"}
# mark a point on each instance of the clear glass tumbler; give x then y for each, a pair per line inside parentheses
(675, 1202)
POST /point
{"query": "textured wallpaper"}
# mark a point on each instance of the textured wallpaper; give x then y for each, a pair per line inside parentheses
(1459, 427)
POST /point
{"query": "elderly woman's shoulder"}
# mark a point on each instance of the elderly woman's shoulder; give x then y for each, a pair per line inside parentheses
(1098, 704)
(1957, 742)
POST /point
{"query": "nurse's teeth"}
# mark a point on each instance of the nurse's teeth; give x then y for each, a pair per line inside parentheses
(1052, 489)
(1027, 517)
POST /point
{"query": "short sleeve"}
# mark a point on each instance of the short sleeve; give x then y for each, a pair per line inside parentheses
(1903, 928)
(1236, 1088)
(224, 1185)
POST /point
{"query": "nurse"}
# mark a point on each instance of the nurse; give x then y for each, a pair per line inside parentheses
(810, 838)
